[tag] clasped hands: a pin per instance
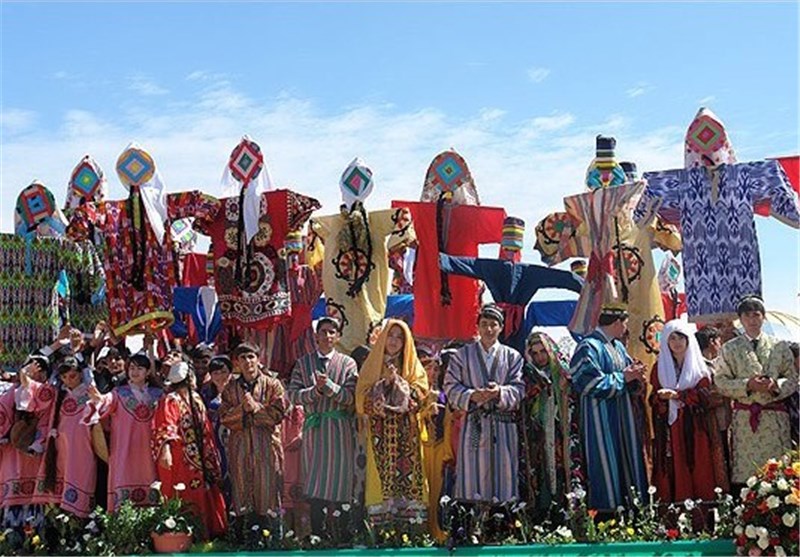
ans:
(486, 394)
(761, 384)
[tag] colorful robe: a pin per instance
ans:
(255, 438)
(252, 286)
(610, 435)
(437, 452)
(487, 461)
(295, 338)
(76, 469)
(29, 303)
(133, 310)
(329, 434)
(760, 428)
(18, 469)
(715, 211)
(464, 228)
(195, 461)
(131, 469)
(512, 285)
(359, 312)
(199, 303)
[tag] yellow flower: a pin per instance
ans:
(265, 533)
(794, 497)
(517, 523)
(36, 540)
(630, 531)
(405, 538)
(602, 526)
(796, 468)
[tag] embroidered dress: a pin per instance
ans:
(76, 469)
(251, 284)
(610, 435)
(512, 285)
(29, 302)
(464, 228)
(255, 452)
(715, 211)
(760, 428)
(395, 482)
(140, 270)
(487, 461)
(329, 434)
(131, 469)
(358, 302)
(195, 461)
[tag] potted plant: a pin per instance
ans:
(173, 523)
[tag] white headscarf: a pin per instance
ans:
(694, 366)
(135, 167)
(254, 180)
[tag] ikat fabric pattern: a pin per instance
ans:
(715, 211)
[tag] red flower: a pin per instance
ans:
(763, 507)
(775, 541)
(672, 533)
(776, 520)
(741, 540)
(748, 513)
(788, 471)
(750, 496)
(794, 534)
(772, 466)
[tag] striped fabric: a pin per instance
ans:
(328, 448)
(488, 473)
(613, 453)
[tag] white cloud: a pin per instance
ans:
(705, 101)
(639, 89)
(552, 123)
(16, 120)
(144, 85)
(537, 75)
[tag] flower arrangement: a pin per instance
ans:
(767, 518)
(173, 515)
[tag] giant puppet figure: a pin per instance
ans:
(712, 199)
(448, 220)
(512, 283)
(598, 225)
(37, 267)
(139, 259)
(247, 235)
(355, 270)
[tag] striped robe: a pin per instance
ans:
(329, 447)
(488, 450)
(612, 447)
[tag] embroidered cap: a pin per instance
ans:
(493, 311)
(614, 310)
(356, 182)
(751, 302)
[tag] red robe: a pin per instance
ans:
(469, 226)
(687, 456)
(172, 423)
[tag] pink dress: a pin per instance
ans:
(76, 470)
(292, 437)
(131, 469)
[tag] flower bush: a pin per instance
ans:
(767, 518)
(173, 515)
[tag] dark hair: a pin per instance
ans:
(141, 360)
(41, 361)
(705, 335)
(491, 311)
(219, 362)
(750, 303)
(67, 364)
(244, 348)
(51, 451)
(359, 354)
(795, 349)
(607, 319)
(331, 321)
(201, 351)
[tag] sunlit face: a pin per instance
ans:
(116, 365)
(619, 328)
(220, 377)
(714, 346)
(327, 336)
(201, 365)
(752, 321)
(71, 378)
(489, 330)
(137, 374)
(247, 364)
(539, 355)
(678, 344)
(431, 369)
(395, 340)
(37, 373)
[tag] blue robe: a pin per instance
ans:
(612, 448)
(187, 300)
(511, 283)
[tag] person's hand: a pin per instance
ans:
(94, 394)
(320, 380)
(759, 384)
(75, 340)
(165, 458)
(634, 372)
(250, 404)
(667, 394)
(148, 341)
(493, 391)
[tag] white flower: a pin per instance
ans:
(762, 532)
(337, 513)
(738, 530)
(170, 523)
(651, 490)
(87, 537)
(289, 534)
(255, 528)
(180, 486)
(789, 519)
(750, 531)
(314, 540)
(773, 502)
(751, 481)
(62, 541)
(564, 532)
(63, 518)
(763, 542)
(324, 510)
(91, 525)
(718, 490)
(779, 551)
(271, 513)
(521, 505)
(744, 492)
(765, 488)
(156, 485)
(345, 507)
(444, 500)
(689, 504)
(782, 484)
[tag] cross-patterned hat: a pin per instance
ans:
(707, 142)
(449, 173)
(356, 183)
(36, 212)
(87, 184)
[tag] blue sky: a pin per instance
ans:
(520, 90)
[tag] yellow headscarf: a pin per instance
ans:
(371, 372)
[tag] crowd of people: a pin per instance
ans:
(383, 435)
